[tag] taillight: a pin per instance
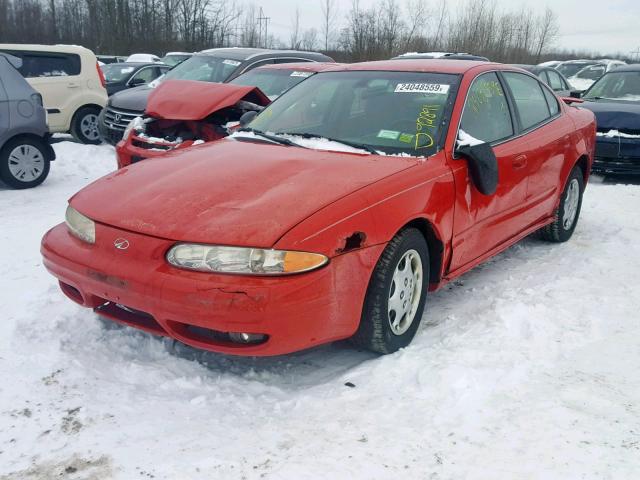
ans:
(100, 74)
(37, 98)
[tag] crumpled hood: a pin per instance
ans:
(615, 115)
(193, 100)
(131, 99)
(230, 192)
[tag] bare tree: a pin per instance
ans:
(309, 39)
(329, 14)
(548, 31)
(295, 39)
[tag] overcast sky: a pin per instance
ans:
(605, 26)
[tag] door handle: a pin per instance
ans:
(72, 85)
(520, 162)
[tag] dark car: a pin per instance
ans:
(551, 77)
(25, 151)
(216, 65)
(120, 76)
(440, 55)
(108, 59)
(615, 100)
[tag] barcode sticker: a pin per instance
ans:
(440, 88)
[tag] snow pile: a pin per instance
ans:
(616, 133)
(525, 368)
(466, 140)
(580, 84)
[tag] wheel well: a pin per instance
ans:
(436, 247)
(88, 105)
(48, 151)
(583, 163)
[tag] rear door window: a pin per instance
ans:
(486, 113)
(529, 98)
(48, 64)
(555, 82)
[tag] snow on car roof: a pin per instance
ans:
(303, 66)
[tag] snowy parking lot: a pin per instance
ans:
(525, 368)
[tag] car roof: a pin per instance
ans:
(45, 48)
(634, 67)
(135, 64)
(237, 53)
(302, 66)
(424, 65)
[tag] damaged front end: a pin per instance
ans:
(183, 113)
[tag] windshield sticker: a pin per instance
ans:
(390, 134)
(406, 138)
(301, 74)
(439, 88)
(126, 70)
(235, 63)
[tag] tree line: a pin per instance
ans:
(385, 29)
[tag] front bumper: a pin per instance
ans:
(134, 149)
(617, 155)
(137, 287)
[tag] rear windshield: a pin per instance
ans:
(205, 68)
(570, 69)
(391, 112)
(273, 83)
(117, 72)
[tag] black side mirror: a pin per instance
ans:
(575, 94)
(134, 82)
(247, 117)
(483, 166)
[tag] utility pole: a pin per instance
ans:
(636, 53)
(261, 18)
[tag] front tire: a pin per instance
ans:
(23, 163)
(396, 295)
(568, 211)
(84, 126)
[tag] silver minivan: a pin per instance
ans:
(25, 151)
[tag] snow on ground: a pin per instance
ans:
(526, 368)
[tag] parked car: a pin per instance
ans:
(120, 76)
(181, 113)
(109, 59)
(142, 58)
(25, 152)
(585, 77)
(174, 58)
(440, 55)
(71, 84)
(375, 183)
(216, 65)
(615, 100)
(570, 67)
(551, 77)
(550, 63)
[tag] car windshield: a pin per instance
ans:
(205, 68)
(570, 69)
(272, 82)
(616, 86)
(386, 112)
(116, 72)
(173, 60)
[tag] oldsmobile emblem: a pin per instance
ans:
(121, 243)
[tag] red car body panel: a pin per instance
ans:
(194, 100)
(345, 206)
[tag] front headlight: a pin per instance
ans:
(80, 226)
(248, 261)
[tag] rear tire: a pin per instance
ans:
(24, 163)
(396, 295)
(84, 126)
(568, 211)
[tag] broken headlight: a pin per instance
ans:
(248, 261)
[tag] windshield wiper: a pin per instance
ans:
(273, 138)
(360, 146)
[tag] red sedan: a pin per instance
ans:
(333, 213)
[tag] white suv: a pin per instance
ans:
(71, 84)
